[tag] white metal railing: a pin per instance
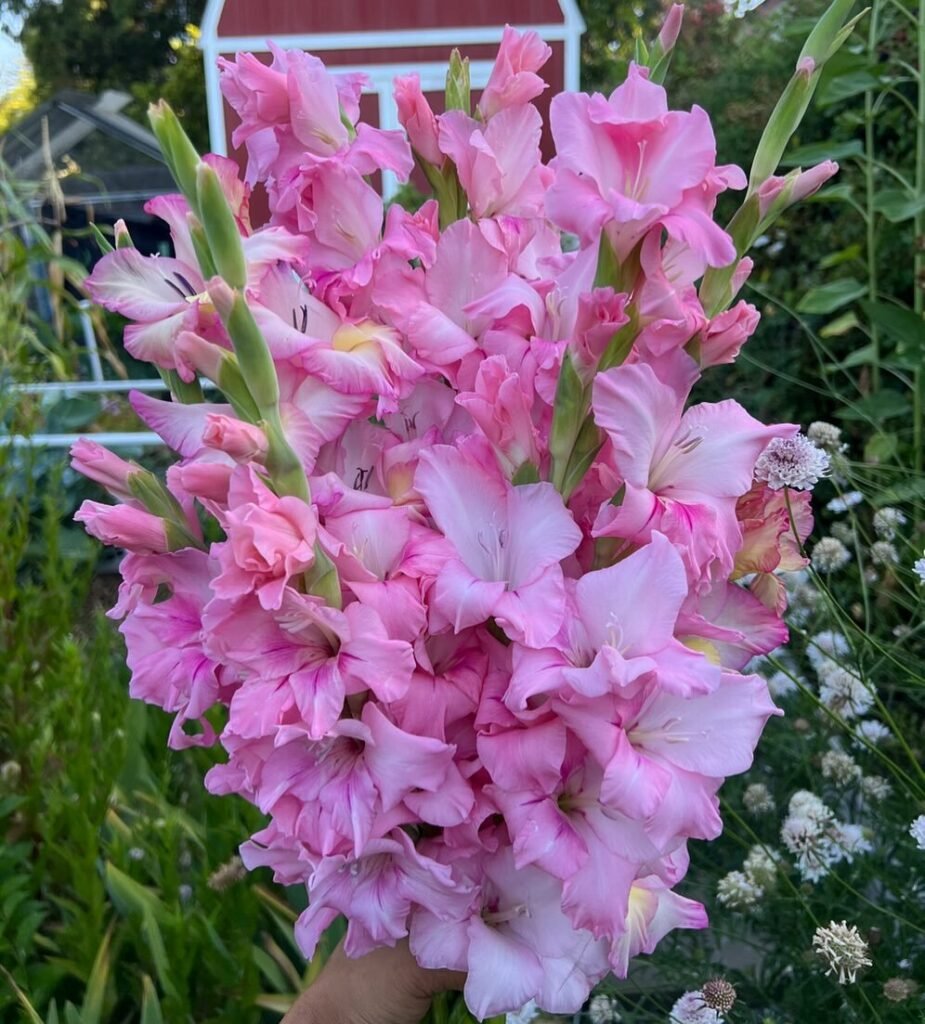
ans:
(96, 385)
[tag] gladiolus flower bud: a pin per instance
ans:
(249, 344)
(458, 92)
(179, 152)
(417, 118)
(220, 227)
(206, 480)
(122, 526)
(777, 193)
(242, 441)
(121, 235)
(671, 28)
(97, 463)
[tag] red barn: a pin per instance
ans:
(384, 38)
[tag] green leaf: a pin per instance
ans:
(840, 325)
(881, 405)
(908, 490)
(150, 1005)
(864, 356)
(816, 152)
(131, 897)
(91, 1011)
(898, 205)
(843, 87)
(905, 326)
(835, 259)
(72, 414)
(881, 448)
(829, 297)
(834, 193)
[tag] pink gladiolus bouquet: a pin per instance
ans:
(472, 581)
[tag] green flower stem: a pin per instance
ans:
(869, 194)
(918, 231)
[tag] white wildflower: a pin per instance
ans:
(850, 840)
(840, 767)
(843, 950)
(826, 436)
(737, 891)
(136, 853)
(826, 648)
(842, 502)
(875, 787)
(757, 799)
(901, 631)
(530, 1012)
(917, 831)
(791, 462)
(873, 731)
(845, 693)
(780, 685)
(918, 567)
(10, 772)
(602, 1010)
(185, 892)
(845, 532)
(829, 555)
(882, 552)
(760, 866)
(806, 804)
(692, 1009)
(887, 521)
(803, 597)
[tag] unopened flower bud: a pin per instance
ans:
(221, 228)
(242, 441)
(104, 467)
(179, 153)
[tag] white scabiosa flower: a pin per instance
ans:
(887, 521)
(842, 502)
(760, 866)
(780, 685)
(845, 693)
(601, 1010)
(528, 1013)
(737, 891)
(829, 555)
(873, 731)
(826, 436)
(842, 949)
(692, 1008)
(791, 462)
(875, 787)
(826, 648)
(918, 567)
(917, 831)
(757, 799)
(882, 552)
(840, 767)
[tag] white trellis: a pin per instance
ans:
(96, 385)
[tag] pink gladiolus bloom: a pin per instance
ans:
(500, 405)
(417, 118)
(613, 640)
(629, 163)
(498, 163)
(518, 946)
(681, 472)
(654, 911)
(163, 640)
(270, 539)
(105, 467)
(123, 526)
(514, 80)
(507, 543)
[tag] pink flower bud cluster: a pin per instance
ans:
(502, 736)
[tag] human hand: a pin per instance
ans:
(386, 986)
